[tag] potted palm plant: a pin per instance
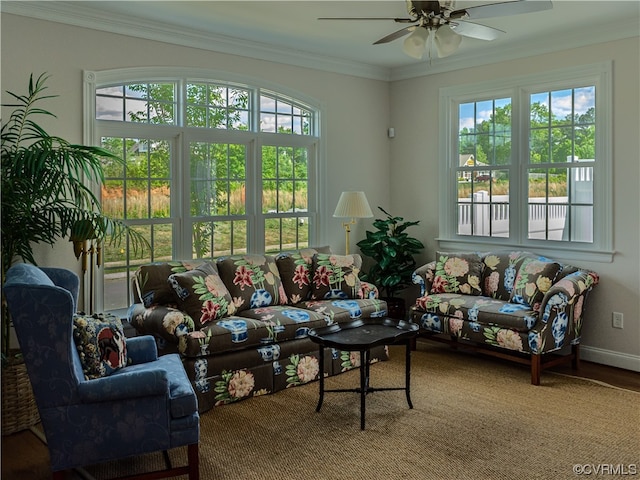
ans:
(46, 196)
(392, 250)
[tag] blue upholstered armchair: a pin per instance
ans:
(145, 405)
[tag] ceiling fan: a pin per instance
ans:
(448, 25)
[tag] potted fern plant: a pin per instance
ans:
(392, 250)
(46, 194)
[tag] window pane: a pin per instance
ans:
(561, 199)
(217, 106)
(286, 234)
(484, 133)
(212, 168)
(283, 115)
(581, 227)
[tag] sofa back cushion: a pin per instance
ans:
(335, 276)
(534, 278)
(202, 294)
(150, 284)
(499, 274)
(252, 280)
(296, 269)
(457, 273)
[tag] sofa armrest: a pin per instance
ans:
(159, 321)
(423, 276)
(368, 290)
(561, 312)
(567, 290)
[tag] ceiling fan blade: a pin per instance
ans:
(397, 20)
(392, 36)
(516, 7)
(475, 30)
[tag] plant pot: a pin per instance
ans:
(19, 409)
(396, 308)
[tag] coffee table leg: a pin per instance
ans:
(321, 377)
(408, 374)
(364, 362)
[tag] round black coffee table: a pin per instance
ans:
(362, 336)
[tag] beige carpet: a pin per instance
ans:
(473, 418)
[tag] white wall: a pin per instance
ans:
(414, 156)
(356, 110)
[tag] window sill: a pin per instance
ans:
(571, 252)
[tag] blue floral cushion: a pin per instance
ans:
(101, 344)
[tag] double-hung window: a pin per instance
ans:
(211, 167)
(526, 162)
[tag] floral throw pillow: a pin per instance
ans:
(335, 276)
(499, 276)
(101, 344)
(533, 280)
(150, 281)
(202, 294)
(252, 280)
(457, 273)
(295, 271)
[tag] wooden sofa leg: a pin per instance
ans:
(194, 462)
(535, 369)
(575, 361)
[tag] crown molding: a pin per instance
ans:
(76, 14)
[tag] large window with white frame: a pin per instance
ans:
(211, 167)
(527, 162)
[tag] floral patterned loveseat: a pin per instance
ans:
(504, 302)
(240, 322)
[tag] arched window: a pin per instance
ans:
(212, 166)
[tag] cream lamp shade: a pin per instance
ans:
(352, 205)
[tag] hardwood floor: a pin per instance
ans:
(25, 457)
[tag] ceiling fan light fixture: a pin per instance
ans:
(447, 41)
(415, 44)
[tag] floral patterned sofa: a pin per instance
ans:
(514, 303)
(240, 322)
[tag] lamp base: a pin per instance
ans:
(347, 230)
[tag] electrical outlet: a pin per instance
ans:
(618, 320)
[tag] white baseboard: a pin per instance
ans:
(611, 358)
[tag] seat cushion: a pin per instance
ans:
(250, 328)
(344, 310)
(475, 309)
